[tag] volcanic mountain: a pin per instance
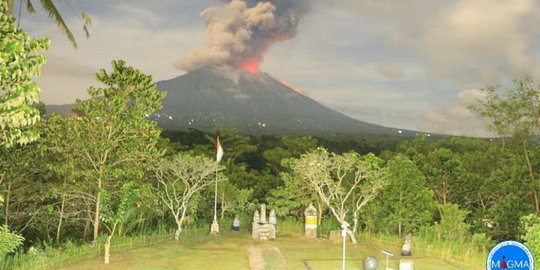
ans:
(254, 103)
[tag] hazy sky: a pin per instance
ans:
(406, 64)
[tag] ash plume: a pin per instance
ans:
(241, 31)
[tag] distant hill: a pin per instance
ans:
(64, 109)
(255, 103)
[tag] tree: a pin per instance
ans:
(292, 147)
(234, 200)
(443, 170)
(452, 226)
(405, 203)
(113, 139)
(515, 113)
(114, 212)
(20, 60)
(344, 183)
(180, 179)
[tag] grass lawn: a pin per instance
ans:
(289, 251)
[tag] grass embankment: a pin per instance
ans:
(46, 256)
(198, 250)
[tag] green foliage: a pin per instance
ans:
(20, 60)
(115, 207)
(452, 226)
(531, 225)
(344, 183)
(405, 203)
(9, 241)
(482, 242)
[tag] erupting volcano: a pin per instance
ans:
(255, 103)
(225, 85)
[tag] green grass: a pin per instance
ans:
(228, 251)
(197, 250)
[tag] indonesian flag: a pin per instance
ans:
(219, 152)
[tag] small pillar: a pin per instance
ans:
(272, 220)
(311, 222)
(255, 225)
(263, 213)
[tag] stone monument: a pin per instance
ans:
(311, 222)
(261, 229)
(255, 225)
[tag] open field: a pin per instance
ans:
(239, 251)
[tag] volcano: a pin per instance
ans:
(255, 103)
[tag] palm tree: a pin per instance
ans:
(54, 14)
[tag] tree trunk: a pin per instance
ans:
(319, 213)
(444, 191)
(59, 227)
(6, 210)
(178, 231)
(107, 255)
(87, 222)
(531, 174)
(352, 235)
(223, 204)
(96, 214)
(355, 222)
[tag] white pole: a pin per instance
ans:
(344, 226)
(215, 198)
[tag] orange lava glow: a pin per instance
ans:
(251, 65)
(294, 88)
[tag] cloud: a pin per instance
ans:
(478, 41)
(455, 118)
(391, 70)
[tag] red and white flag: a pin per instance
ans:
(219, 152)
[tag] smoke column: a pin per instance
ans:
(241, 31)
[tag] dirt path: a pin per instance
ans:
(265, 257)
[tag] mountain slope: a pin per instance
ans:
(254, 103)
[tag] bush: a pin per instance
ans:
(452, 226)
(531, 225)
(9, 242)
(482, 242)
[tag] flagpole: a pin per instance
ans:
(215, 198)
(214, 229)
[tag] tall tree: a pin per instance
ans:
(20, 60)
(113, 139)
(515, 112)
(406, 203)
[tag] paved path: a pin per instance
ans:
(265, 257)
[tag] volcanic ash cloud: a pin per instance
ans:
(240, 32)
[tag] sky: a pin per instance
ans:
(407, 64)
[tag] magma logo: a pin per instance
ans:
(510, 255)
